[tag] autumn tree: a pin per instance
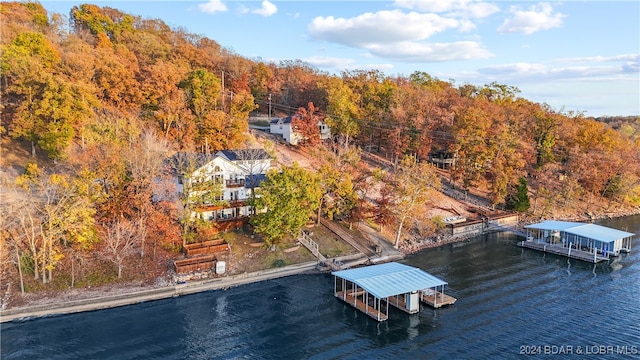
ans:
(339, 195)
(382, 210)
(58, 217)
(342, 111)
(471, 126)
(28, 65)
(415, 184)
(375, 98)
(215, 128)
(544, 135)
(285, 201)
(305, 122)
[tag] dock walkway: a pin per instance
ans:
(437, 299)
(563, 251)
(355, 301)
(344, 235)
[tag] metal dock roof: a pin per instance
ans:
(591, 231)
(389, 279)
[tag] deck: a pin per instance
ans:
(360, 305)
(437, 299)
(563, 251)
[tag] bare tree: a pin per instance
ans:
(120, 238)
(12, 235)
(146, 160)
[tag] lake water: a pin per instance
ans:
(511, 301)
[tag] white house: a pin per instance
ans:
(220, 185)
(284, 127)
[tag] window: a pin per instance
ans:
(218, 178)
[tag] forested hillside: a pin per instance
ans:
(107, 97)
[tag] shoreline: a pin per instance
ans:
(432, 242)
(221, 283)
(160, 293)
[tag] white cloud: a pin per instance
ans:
(434, 52)
(538, 17)
(267, 9)
(341, 64)
(563, 69)
(515, 68)
(399, 36)
(460, 8)
(212, 6)
(623, 57)
(384, 27)
(466, 26)
(381, 67)
(329, 62)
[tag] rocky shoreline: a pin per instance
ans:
(441, 240)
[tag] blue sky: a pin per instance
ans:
(573, 55)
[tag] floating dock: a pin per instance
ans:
(582, 241)
(436, 299)
(371, 289)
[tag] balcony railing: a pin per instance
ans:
(229, 204)
(235, 183)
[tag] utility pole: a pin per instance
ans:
(269, 106)
(222, 90)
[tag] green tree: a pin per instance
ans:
(519, 201)
(285, 201)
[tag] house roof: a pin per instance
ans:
(389, 279)
(591, 231)
(244, 154)
(254, 180)
(284, 120)
(195, 160)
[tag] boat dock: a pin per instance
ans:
(371, 289)
(582, 241)
(563, 251)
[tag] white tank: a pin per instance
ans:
(221, 267)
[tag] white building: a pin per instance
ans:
(284, 127)
(219, 186)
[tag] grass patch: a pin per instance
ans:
(279, 263)
(98, 278)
